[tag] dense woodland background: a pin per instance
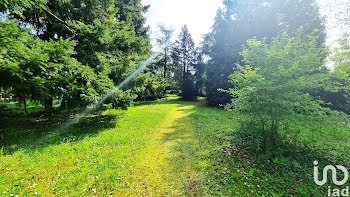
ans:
(77, 51)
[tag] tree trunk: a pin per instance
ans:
(271, 138)
(25, 105)
(48, 104)
(165, 62)
(201, 88)
(184, 75)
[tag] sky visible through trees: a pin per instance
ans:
(199, 16)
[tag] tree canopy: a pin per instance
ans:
(241, 20)
(73, 50)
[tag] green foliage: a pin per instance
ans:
(341, 55)
(13, 109)
(184, 58)
(39, 69)
(339, 100)
(153, 87)
(163, 40)
(341, 59)
(241, 20)
(273, 86)
(77, 51)
(18, 6)
(122, 99)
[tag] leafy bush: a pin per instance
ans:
(40, 70)
(122, 99)
(273, 86)
(153, 88)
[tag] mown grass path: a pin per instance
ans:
(161, 148)
(153, 149)
(164, 168)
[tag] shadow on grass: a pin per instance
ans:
(231, 171)
(31, 132)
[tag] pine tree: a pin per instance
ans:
(184, 56)
(163, 39)
(109, 35)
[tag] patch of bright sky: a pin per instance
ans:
(199, 16)
(331, 10)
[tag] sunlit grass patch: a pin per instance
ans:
(94, 165)
(162, 148)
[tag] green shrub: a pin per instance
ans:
(154, 88)
(273, 84)
(122, 99)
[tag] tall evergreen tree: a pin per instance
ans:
(163, 38)
(241, 20)
(110, 37)
(305, 14)
(184, 57)
(199, 70)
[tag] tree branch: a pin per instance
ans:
(45, 9)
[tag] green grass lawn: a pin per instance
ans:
(162, 148)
